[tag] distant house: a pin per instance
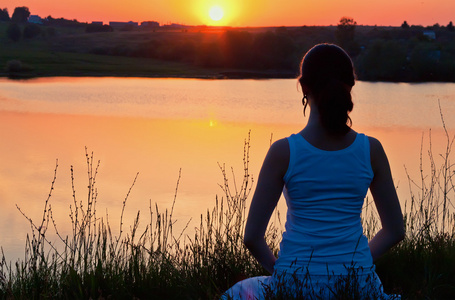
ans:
(123, 24)
(35, 19)
(148, 24)
(97, 23)
(429, 34)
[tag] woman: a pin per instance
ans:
(324, 172)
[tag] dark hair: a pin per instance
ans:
(328, 72)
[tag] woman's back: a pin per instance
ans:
(324, 191)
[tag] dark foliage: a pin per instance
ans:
(13, 32)
(407, 53)
(382, 60)
(235, 46)
(14, 67)
(20, 14)
(379, 53)
(62, 22)
(4, 15)
(273, 51)
(50, 31)
(31, 31)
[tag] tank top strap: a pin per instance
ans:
(292, 150)
(365, 142)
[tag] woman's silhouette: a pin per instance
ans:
(324, 172)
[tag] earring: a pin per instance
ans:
(304, 103)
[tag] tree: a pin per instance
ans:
(345, 31)
(14, 32)
(405, 25)
(20, 14)
(450, 26)
(347, 24)
(4, 15)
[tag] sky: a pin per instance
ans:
(240, 13)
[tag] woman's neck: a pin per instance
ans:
(315, 133)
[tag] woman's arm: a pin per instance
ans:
(387, 204)
(268, 191)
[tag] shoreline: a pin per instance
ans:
(214, 75)
(228, 75)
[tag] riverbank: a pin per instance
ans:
(70, 52)
(30, 64)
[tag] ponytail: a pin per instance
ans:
(334, 104)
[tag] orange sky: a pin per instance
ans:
(247, 12)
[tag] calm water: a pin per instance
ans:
(158, 126)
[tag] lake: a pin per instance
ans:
(159, 126)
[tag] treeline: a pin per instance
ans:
(407, 53)
(411, 54)
(379, 53)
(234, 49)
(19, 26)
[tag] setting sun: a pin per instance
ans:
(216, 13)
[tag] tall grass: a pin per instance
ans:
(157, 263)
(423, 265)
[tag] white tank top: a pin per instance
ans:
(324, 192)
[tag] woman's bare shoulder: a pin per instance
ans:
(280, 149)
(280, 145)
(375, 145)
(278, 156)
(377, 154)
